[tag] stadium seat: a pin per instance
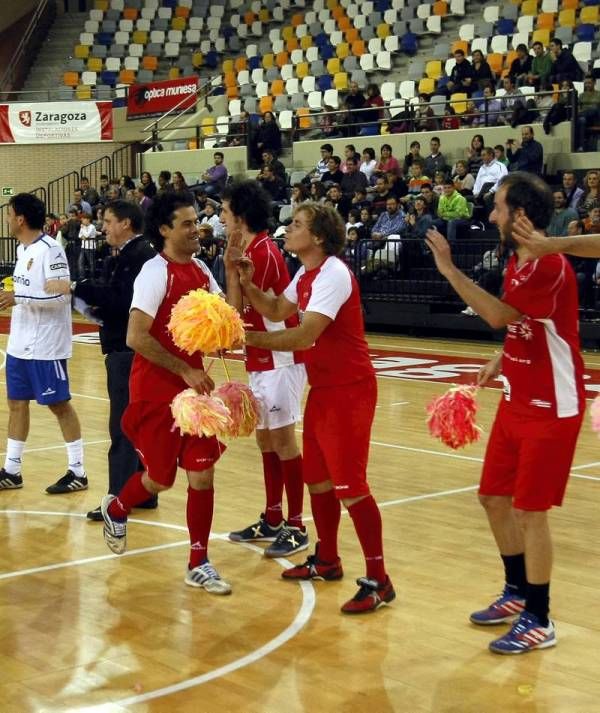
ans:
(545, 21)
(434, 24)
(126, 76)
(340, 81)
(590, 15)
(94, 64)
(433, 69)
(71, 79)
(459, 102)
(426, 85)
(542, 36)
(315, 100)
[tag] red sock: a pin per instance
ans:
(132, 493)
(199, 513)
(294, 489)
(367, 523)
(273, 487)
(326, 511)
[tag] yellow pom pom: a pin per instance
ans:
(200, 415)
(201, 322)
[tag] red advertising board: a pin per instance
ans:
(155, 98)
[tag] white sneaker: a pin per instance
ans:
(207, 577)
(115, 531)
(470, 312)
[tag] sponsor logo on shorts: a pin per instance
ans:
(58, 266)
(203, 460)
(342, 487)
(48, 392)
(274, 409)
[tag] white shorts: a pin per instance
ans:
(279, 393)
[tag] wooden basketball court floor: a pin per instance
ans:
(82, 629)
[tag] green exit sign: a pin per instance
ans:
(8, 191)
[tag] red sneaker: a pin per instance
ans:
(314, 568)
(370, 596)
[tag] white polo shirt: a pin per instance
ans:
(40, 325)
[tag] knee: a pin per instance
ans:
(201, 480)
(18, 407)
(494, 504)
(60, 409)
(530, 519)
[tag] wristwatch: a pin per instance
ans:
(72, 286)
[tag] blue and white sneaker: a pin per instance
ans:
(115, 531)
(289, 541)
(260, 531)
(526, 634)
(507, 607)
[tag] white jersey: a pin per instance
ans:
(40, 326)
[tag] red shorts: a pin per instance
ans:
(337, 431)
(149, 426)
(529, 459)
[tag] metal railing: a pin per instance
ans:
(60, 192)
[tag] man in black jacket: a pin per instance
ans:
(565, 66)
(110, 300)
(528, 156)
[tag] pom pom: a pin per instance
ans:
(200, 415)
(201, 322)
(452, 417)
(595, 413)
(242, 405)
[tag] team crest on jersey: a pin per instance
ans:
(25, 118)
(29, 264)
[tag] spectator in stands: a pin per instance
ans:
(462, 179)
(526, 156)
(380, 195)
(562, 216)
(142, 199)
(130, 196)
(339, 201)
(438, 182)
(391, 222)
(413, 153)
(565, 66)
(90, 195)
(453, 209)
(360, 200)
(500, 154)
(328, 123)
(373, 112)
(349, 152)
(591, 224)
(482, 72)
(237, 132)
(326, 151)
(209, 217)
(299, 195)
(51, 225)
(418, 222)
(79, 204)
(474, 154)
(450, 120)
(215, 178)
(572, 190)
(461, 76)
(354, 101)
(425, 119)
(396, 185)
(430, 197)
(111, 194)
(274, 186)
(387, 162)
(99, 222)
(61, 233)
(541, 66)
(125, 184)
(180, 185)
(560, 110)
(435, 161)
(72, 243)
(520, 67)
(488, 176)
(317, 192)
(148, 184)
(268, 136)
(87, 254)
(367, 220)
(369, 163)
(104, 184)
(590, 198)
(589, 111)
(353, 179)
(353, 220)
(416, 181)
(489, 108)
(268, 159)
(333, 173)
(512, 99)
(164, 182)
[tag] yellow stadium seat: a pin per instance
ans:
(589, 15)
(71, 79)
(433, 69)
(542, 36)
(94, 64)
(179, 23)
(566, 18)
(332, 4)
(268, 61)
(208, 126)
(334, 65)
(427, 85)
(306, 42)
(288, 32)
(303, 116)
(459, 102)
(340, 81)
(302, 70)
(197, 60)
(228, 65)
(101, 5)
(440, 8)
(264, 15)
(383, 30)
(83, 91)
(174, 72)
(139, 37)
(342, 50)
(545, 21)
(82, 51)
(529, 7)
(265, 104)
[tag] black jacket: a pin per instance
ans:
(111, 296)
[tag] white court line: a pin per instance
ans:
(58, 447)
(586, 465)
(400, 403)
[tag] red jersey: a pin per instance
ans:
(158, 287)
(270, 275)
(541, 364)
(340, 355)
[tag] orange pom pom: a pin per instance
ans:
(201, 322)
(200, 415)
(242, 405)
(452, 417)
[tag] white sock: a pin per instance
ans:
(14, 451)
(75, 457)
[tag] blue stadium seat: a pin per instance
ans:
(211, 60)
(324, 82)
(109, 78)
(254, 63)
(326, 52)
(585, 32)
(104, 38)
(505, 27)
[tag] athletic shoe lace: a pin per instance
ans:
(209, 571)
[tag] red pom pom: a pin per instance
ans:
(452, 417)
